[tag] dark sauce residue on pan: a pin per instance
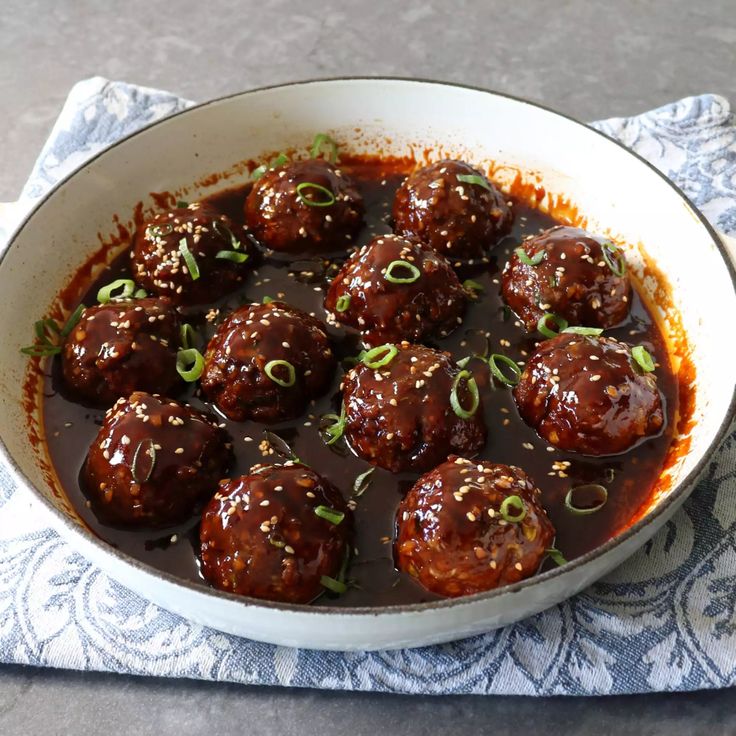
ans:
(630, 477)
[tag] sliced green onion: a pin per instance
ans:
(187, 336)
(73, 320)
(300, 188)
(474, 395)
(588, 331)
(181, 204)
(290, 372)
(361, 483)
(389, 272)
(497, 358)
(189, 259)
(584, 506)
(480, 181)
(320, 140)
(106, 293)
(614, 258)
(274, 163)
(189, 364)
(41, 351)
(140, 294)
(556, 556)
(266, 299)
(147, 449)
(513, 509)
(332, 515)
(336, 428)
(464, 361)
(534, 260)
(159, 231)
(226, 233)
(331, 584)
(280, 446)
(380, 356)
(232, 255)
(561, 323)
(278, 543)
(470, 285)
(342, 303)
(643, 358)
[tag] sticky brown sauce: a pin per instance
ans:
(630, 478)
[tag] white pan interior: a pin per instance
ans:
(617, 193)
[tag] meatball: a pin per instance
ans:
(397, 288)
(459, 218)
(399, 414)
(121, 347)
(573, 274)
(191, 254)
(304, 206)
(266, 362)
(466, 527)
(587, 394)
(275, 533)
(153, 462)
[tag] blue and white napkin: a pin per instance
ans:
(665, 620)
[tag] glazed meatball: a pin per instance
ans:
(397, 288)
(266, 362)
(220, 255)
(121, 347)
(466, 527)
(154, 462)
(304, 206)
(572, 274)
(460, 219)
(274, 533)
(399, 413)
(588, 395)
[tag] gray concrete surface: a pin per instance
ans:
(586, 58)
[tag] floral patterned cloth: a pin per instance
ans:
(664, 620)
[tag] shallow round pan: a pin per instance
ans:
(617, 193)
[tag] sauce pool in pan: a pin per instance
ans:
(488, 326)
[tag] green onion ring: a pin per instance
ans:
(160, 231)
(189, 259)
(320, 140)
(336, 429)
(387, 352)
(388, 273)
(189, 364)
(480, 181)
(181, 204)
(497, 358)
(332, 515)
(226, 234)
(361, 483)
(232, 255)
(474, 395)
(314, 202)
(507, 509)
(187, 336)
(602, 492)
(556, 556)
(140, 294)
(643, 358)
(614, 258)
(534, 260)
(73, 320)
(291, 372)
(587, 331)
(473, 286)
(150, 451)
(105, 294)
(41, 351)
(342, 303)
(561, 323)
(331, 584)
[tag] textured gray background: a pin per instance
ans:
(588, 59)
